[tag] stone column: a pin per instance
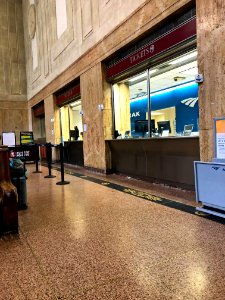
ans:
(211, 63)
(94, 91)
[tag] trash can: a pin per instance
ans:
(21, 186)
(18, 178)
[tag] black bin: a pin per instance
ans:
(21, 186)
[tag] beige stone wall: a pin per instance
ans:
(50, 119)
(13, 117)
(12, 54)
(149, 14)
(211, 63)
(13, 104)
(88, 22)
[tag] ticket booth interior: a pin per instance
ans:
(38, 122)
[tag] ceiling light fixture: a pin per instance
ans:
(183, 58)
(77, 103)
(153, 71)
(143, 75)
(156, 113)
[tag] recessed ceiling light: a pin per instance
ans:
(155, 113)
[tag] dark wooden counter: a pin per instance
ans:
(73, 153)
(168, 160)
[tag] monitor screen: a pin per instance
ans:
(9, 138)
(26, 138)
(141, 126)
(163, 125)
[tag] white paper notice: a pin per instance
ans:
(220, 145)
(8, 138)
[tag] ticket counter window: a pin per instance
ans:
(131, 107)
(174, 97)
(75, 120)
(169, 109)
(71, 121)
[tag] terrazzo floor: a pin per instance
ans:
(89, 241)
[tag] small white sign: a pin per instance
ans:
(85, 127)
(100, 107)
(199, 78)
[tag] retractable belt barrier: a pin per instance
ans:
(37, 158)
(49, 160)
(62, 182)
(49, 147)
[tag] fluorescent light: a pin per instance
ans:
(155, 113)
(138, 77)
(76, 103)
(144, 75)
(183, 58)
(153, 71)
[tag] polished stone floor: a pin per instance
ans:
(86, 240)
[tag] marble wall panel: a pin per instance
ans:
(12, 50)
(13, 104)
(13, 116)
(59, 44)
(92, 96)
(211, 63)
(49, 117)
(86, 13)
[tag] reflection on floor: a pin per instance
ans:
(88, 241)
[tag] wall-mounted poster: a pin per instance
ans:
(26, 138)
(220, 138)
(9, 138)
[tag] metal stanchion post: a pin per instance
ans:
(49, 160)
(37, 158)
(62, 182)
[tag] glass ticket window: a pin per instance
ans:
(169, 107)
(131, 107)
(174, 97)
(71, 121)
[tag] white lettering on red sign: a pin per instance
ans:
(142, 53)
